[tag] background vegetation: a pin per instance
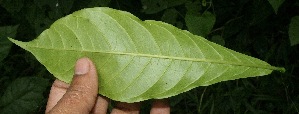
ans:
(265, 29)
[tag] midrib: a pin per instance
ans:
(171, 57)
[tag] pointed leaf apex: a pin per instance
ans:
(19, 43)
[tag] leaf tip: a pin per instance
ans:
(19, 43)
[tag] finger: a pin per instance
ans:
(101, 105)
(126, 108)
(82, 93)
(58, 89)
(160, 106)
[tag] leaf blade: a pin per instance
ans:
(275, 4)
(293, 31)
(5, 44)
(138, 60)
(23, 95)
(200, 24)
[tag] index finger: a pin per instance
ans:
(58, 89)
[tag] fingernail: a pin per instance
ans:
(82, 66)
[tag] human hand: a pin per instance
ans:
(81, 96)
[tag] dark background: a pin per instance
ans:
(259, 28)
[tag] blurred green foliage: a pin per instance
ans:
(265, 29)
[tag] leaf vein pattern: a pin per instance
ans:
(63, 43)
(232, 55)
(249, 60)
(152, 37)
(239, 72)
(166, 69)
(102, 34)
(77, 23)
(242, 72)
(78, 38)
(174, 37)
(105, 38)
(173, 57)
(149, 61)
(47, 33)
(92, 43)
(123, 40)
(138, 59)
(220, 74)
(70, 68)
(107, 61)
(148, 32)
(168, 49)
(51, 46)
(184, 74)
(194, 43)
(121, 27)
(221, 57)
(120, 71)
(195, 81)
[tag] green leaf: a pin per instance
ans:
(37, 19)
(170, 16)
(200, 24)
(275, 4)
(23, 95)
(259, 12)
(294, 31)
(193, 7)
(12, 6)
(5, 44)
(138, 60)
(218, 40)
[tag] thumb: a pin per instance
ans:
(80, 97)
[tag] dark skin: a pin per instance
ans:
(81, 96)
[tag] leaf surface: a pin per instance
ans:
(23, 95)
(200, 24)
(138, 60)
(275, 4)
(5, 44)
(293, 31)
